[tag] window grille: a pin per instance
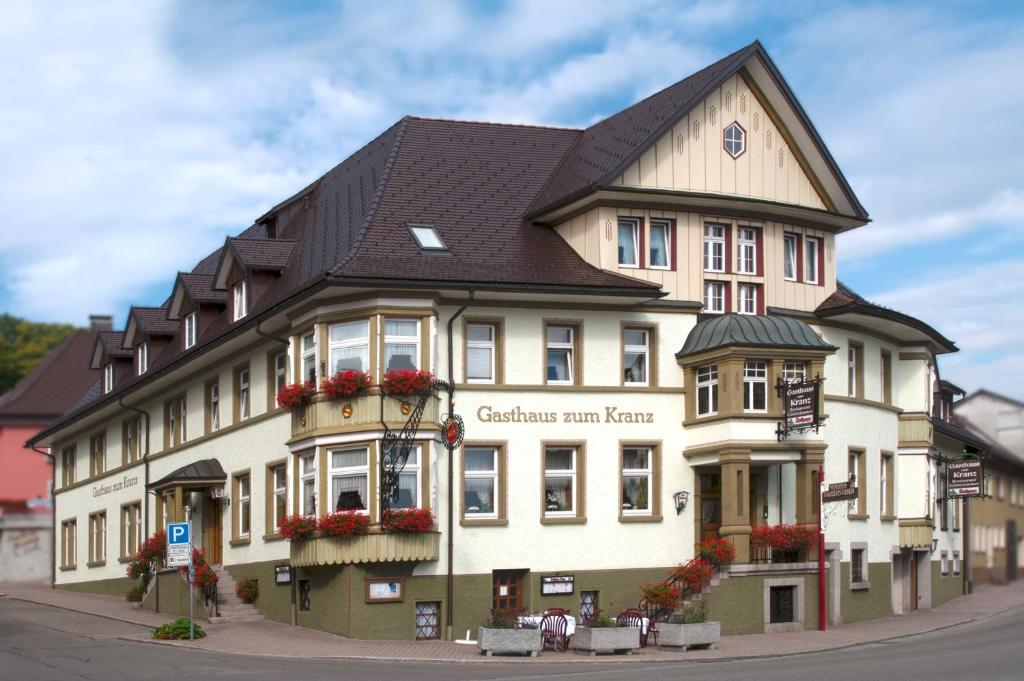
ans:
(782, 601)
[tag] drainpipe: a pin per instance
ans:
(451, 472)
(271, 337)
(53, 511)
(145, 463)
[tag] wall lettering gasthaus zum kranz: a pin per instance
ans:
(610, 414)
(124, 483)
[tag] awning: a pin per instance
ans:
(197, 475)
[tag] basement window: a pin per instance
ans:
(427, 238)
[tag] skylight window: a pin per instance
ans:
(426, 238)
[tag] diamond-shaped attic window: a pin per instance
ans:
(735, 139)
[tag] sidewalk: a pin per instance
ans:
(270, 638)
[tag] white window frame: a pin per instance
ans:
(128, 523)
(108, 377)
(190, 330)
(794, 372)
(883, 486)
(241, 299)
(349, 472)
(634, 225)
(647, 473)
(214, 394)
(309, 355)
(559, 346)
(401, 340)
(488, 345)
(304, 477)
(244, 394)
(492, 474)
(790, 243)
(956, 563)
(410, 467)
(739, 137)
(244, 505)
(644, 350)
(746, 302)
(182, 405)
(143, 358)
(707, 381)
(280, 371)
(666, 227)
(362, 342)
(280, 492)
(755, 373)
(811, 246)
(714, 247)
(746, 252)
(98, 532)
(851, 370)
(944, 563)
(710, 287)
(563, 474)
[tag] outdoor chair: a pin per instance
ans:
(553, 630)
(633, 617)
(556, 611)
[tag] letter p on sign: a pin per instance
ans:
(177, 533)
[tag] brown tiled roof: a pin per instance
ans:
(112, 343)
(200, 288)
(54, 384)
(265, 254)
(153, 321)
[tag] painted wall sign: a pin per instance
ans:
(964, 478)
(124, 483)
(610, 414)
(556, 585)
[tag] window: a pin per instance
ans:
(635, 353)
(98, 538)
(348, 346)
(629, 242)
(277, 377)
(427, 238)
(811, 261)
(747, 299)
(408, 493)
(428, 621)
(482, 485)
(561, 354)
(855, 370)
(401, 344)
(349, 476)
(661, 244)
(131, 529)
(69, 544)
(886, 486)
(735, 140)
(956, 563)
(956, 514)
(793, 372)
(241, 299)
(243, 506)
(307, 484)
(637, 481)
(789, 254)
(97, 454)
(560, 488)
(309, 357)
(108, 377)
(714, 248)
(481, 340)
(944, 563)
(714, 296)
(213, 406)
(858, 575)
(277, 508)
(707, 390)
(588, 605)
(755, 386)
(886, 361)
(746, 262)
(243, 388)
(143, 358)
(68, 456)
(175, 422)
(131, 440)
(190, 330)
(857, 474)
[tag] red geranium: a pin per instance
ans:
(345, 384)
(717, 551)
(344, 524)
(297, 527)
(693, 575)
(783, 538)
(664, 595)
(152, 551)
(296, 395)
(407, 382)
(204, 573)
(407, 520)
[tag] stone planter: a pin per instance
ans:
(606, 639)
(685, 636)
(509, 641)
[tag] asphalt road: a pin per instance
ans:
(40, 643)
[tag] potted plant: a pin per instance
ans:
(718, 551)
(500, 635)
(247, 589)
(297, 527)
(688, 628)
(345, 384)
(603, 634)
(295, 396)
(344, 524)
(407, 520)
(407, 382)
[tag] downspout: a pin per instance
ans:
(145, 463)
(53, 510)
(271, 337)
(451, 472)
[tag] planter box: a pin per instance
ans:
(509, 641)
(610, 639)
(684, 636)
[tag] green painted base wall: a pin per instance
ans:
(870, 603)
(170, 595)
(110, 587)
(946, 588)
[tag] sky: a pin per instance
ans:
(136, 136)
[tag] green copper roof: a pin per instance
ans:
(751, 331)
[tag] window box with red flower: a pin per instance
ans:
(295, 396)
(407, 520)
(297, 527)
(345, 385)
(407, 382)
(344, 524)
(784, 543)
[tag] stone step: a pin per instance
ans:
(226, 619)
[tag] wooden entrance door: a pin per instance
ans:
(710, 505)
(913, 580)
(212, 532)
(508, 590)
(1011, 550)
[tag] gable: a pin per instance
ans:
(692, 156)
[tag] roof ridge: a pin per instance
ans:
(441, 119)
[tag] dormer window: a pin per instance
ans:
(241, 299)
(427, 238)
(190, 330)
(143, 358)
(108, 377)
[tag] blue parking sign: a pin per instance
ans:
(177, 533)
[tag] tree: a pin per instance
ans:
(23, 344)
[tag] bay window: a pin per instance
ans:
(349, 475)
(707, 390)
(793, 372)
(714, 248)
(755, 386)
(307, 484)
(401, 344)
(408, 493)
(348, 346)
(629, 246)
(309, 357)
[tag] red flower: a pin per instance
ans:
(344, 524)
(693, 575)
(664, 595)
(783, 538)
(345, 384)
(296, 395)
(407, 382)
(407, 520)
(717, 551)
(297, 527)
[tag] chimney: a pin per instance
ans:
(101, 322)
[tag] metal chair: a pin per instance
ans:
(556, 611)
(633, 617)
(553, 630)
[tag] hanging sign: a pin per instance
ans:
(964, 478)
(839, 491)
(800, 406)
(452, 431)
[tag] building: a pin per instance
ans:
(997, 518)
(613, 306)
(50, 389)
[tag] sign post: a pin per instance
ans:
(179, 554)
(821, 551)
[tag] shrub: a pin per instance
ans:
(407, 382)
(663, 595)
(407, 520)
(693, 575)
(297, 527)
(717, 551)
(178, 629)
(784, 538)
(247, 589)
(602, 623)
(694, 613)
(345, 384)
(296, 395)
(134, 593)
(344, 524)
(503, 618)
